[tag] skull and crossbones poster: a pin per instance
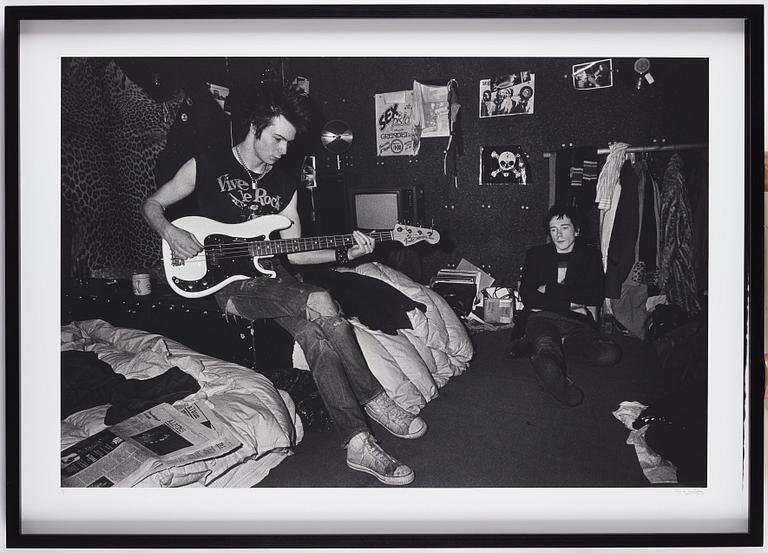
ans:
(503, 165)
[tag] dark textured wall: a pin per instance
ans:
(490, 226)
(493, 226)
(128, 124)
(112, 132)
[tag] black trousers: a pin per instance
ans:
(557, 338)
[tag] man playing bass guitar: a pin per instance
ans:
(238, 184)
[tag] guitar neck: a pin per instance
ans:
(309, 243)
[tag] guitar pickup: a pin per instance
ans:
(177, 261)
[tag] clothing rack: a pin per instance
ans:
(652, 148)
(552, 156)
(656, 148)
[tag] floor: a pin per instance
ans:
(494, 427)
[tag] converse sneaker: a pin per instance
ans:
(365, 455)
(394, 418)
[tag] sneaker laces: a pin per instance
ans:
(373, 449)
(391, 411)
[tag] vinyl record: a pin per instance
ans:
(336, 136)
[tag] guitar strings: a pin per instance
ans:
(293, 242)
(240, 249)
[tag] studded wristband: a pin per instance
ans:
(341, 255)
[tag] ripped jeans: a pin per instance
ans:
(312, 317)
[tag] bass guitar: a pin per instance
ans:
(232, 251)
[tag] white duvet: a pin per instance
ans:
(263, 418)
(414, 364)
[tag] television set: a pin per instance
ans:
(383, 208)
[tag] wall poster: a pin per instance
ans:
(503, 165)
(431, 110)
(507, 94)
(395, 131)
(220, 94)
(593, 75)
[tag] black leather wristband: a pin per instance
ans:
(341, 255)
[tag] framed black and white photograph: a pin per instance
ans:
(253, 308)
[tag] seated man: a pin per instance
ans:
(244, 182)
(561, 287)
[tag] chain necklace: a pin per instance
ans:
(254, 180)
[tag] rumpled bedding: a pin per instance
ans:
(412, 364)
(263, 418)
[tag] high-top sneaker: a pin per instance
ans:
(365, 455)
(394, 418)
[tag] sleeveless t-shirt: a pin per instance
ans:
(225, 193)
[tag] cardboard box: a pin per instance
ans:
(496, 310)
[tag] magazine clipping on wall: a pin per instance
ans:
(431, 110)
(301, 85)
(503, 165)
(220, 94)
(507, 95)
(395, 131)
(593, 75)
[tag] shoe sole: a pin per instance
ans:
(413, 436)
(390, 480)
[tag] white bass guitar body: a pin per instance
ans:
(232, 251)
(227, 255)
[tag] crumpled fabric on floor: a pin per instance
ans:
(656, 469)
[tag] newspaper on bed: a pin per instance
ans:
(156, 439)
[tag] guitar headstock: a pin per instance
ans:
(408, 235)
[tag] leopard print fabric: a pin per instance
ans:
(112, 134)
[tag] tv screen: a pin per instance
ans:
(376, 210)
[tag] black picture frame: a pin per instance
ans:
(752, 17)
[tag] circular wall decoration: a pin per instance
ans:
(336, 136)
(642, 65)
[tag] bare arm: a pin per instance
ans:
(364, 244)
(182, 243)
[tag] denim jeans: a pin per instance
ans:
(556, 338)
(333, 354)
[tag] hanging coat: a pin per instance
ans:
(677, 278)
(622, 249)
(608, 193)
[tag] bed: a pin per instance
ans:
(413, 364)
(250, 410)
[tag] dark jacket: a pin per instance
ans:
(584, 281)
(378, 305)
